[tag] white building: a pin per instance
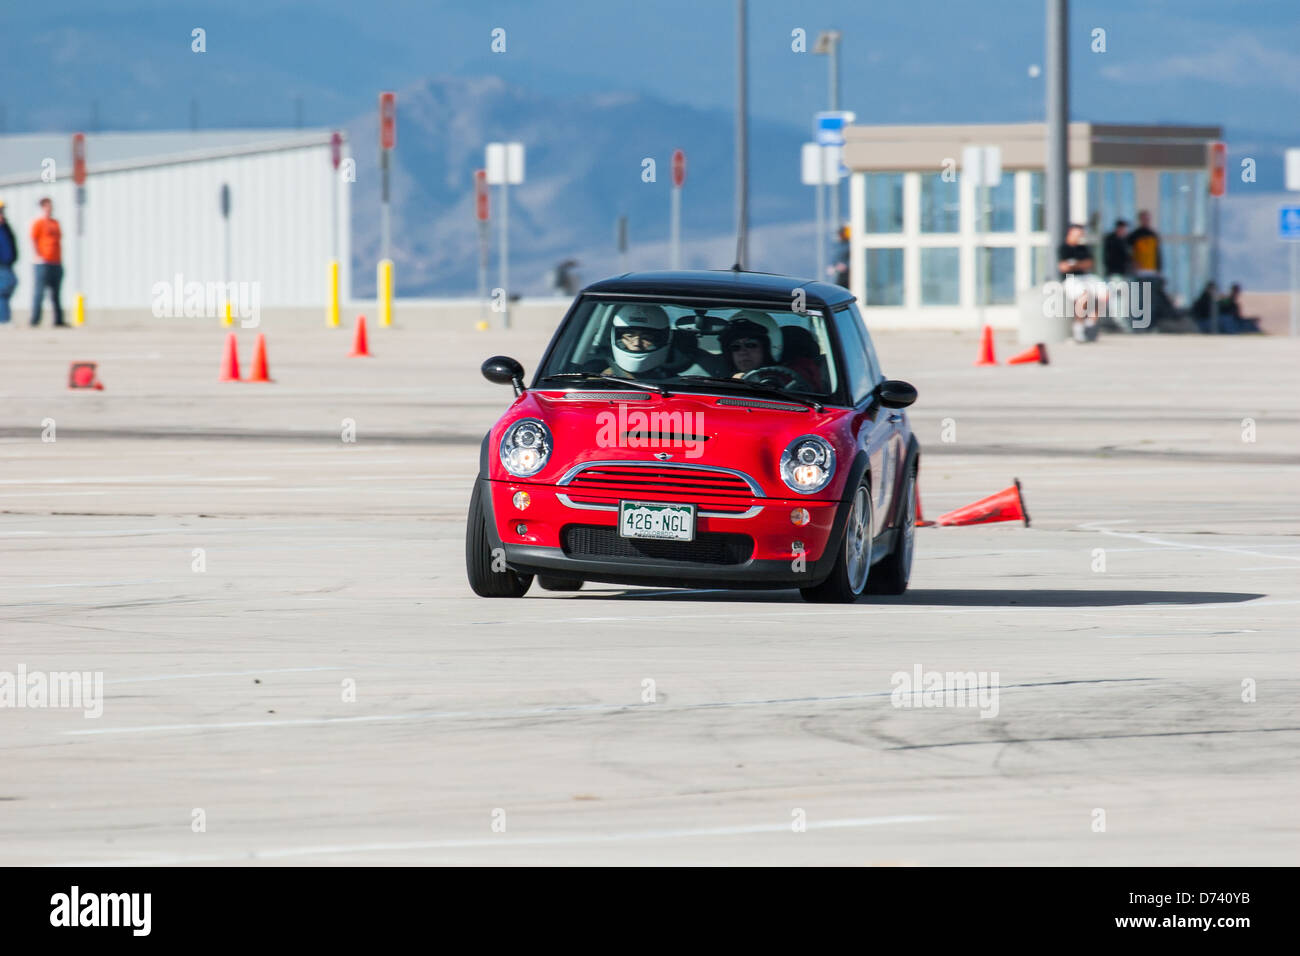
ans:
(152, 212)
(920, 257)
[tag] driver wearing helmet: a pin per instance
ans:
(641, 340)
(753, 344)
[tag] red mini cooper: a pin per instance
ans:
(699, 430)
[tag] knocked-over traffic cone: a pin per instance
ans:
(920, 519)
(986, 348)
(259, 372)
(82, 375)
(230, 361)
(1006, 505)
(359, 345)
(1037, 353)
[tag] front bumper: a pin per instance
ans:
(540, 539)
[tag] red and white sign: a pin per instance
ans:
(387, 120)
(481, 195)
(679, 168)
(336, 148)
(1218, 169)
(79, 158)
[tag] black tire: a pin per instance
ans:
(891, 574)
(548, 583)
(478, 557)
(848, 578)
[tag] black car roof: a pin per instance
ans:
(722, 283)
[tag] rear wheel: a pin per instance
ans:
(891, 575)
(488, 574)
(548, 583)
(848, 578)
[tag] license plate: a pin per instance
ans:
(647, 519)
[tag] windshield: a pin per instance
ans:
(670, 344)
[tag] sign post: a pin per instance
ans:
(982, 165)
(336, 157)
(387, 141)
(505, 168)
(227, 319)
(1218, 185)
(679, 177)
(79, 177)
(620, 239)
(828, 130)
(481, 211)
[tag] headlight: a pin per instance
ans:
(808, 464)
(525, 447)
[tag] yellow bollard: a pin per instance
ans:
(227, 319)
(79, 311)
(332, 319)
(386, 292)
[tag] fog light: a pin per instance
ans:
(521, 500)
(800, 516)
(521, 528)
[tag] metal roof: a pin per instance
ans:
(720, 284)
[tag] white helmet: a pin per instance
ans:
(652, 322)
(775, 340)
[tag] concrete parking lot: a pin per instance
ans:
(292, 657)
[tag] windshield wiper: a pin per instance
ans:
(755, 387)
(592, 377)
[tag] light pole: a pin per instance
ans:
(742, 139)
(1056, 191)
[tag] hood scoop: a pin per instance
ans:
(760, 403)
(626, 396)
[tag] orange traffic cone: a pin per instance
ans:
(82, 375)
(259, 372)
(230, 361)
(1037, 353)
(920, 519)
(1006, 505)
(359, 347)
(986, 348)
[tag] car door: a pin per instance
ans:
(871, 429)
(894, 418)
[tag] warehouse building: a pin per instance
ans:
(922, 257)
(153, 214)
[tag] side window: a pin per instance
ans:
(873, 363)
(857, 372)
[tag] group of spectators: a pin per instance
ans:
(47, 245)
(1136, 255)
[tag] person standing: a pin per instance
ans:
(839, 269)
(8, 256)
(47, 238)
(1144, 246)
(1115, 252)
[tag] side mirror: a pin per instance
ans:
(895, 394)
(503, 370)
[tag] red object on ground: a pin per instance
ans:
(986, 348)
(360, 348)
(920, 519)
(230, 361)
(259, 371)
(1037, 353)
(1006, 505)
(82, 375)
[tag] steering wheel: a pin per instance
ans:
(778, 376)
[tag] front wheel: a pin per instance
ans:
(488, 574)
(848, 578)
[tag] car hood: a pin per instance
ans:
(736, 431)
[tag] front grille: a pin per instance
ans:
(709, 547)
(651, 480)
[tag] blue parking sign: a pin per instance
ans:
(1288, 222)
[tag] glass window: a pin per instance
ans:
(940, 276)
(1200, 202)
(1111, 196)
(1037, 212)
(884, 277)
(873, 363)
(999, 213)
(884, 202)
(995, 275)
(857, 372)
(1041, 265)
(940, 204)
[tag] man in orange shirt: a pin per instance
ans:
(48, 238)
